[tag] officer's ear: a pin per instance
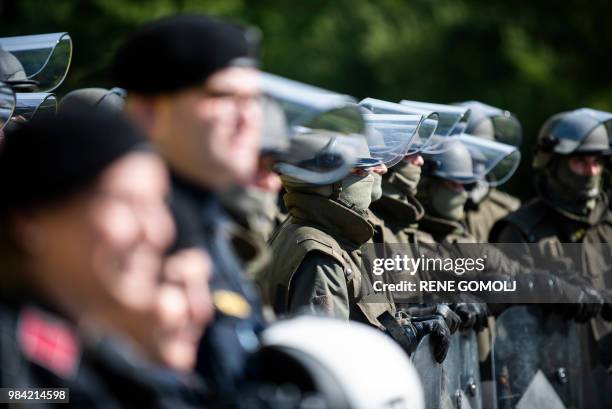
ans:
(28, 233)
(144, 111)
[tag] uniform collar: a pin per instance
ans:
(598, 214)
(331, 215)
(441, 228)
(406, 209)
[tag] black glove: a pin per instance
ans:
(473, 315)
(436, 328)
(606, 310)
(584, 302)
(443, 310)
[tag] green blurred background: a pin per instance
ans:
(534, 58)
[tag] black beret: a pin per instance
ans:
(180, 51)
(49, 158)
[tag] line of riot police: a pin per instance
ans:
(149, 262)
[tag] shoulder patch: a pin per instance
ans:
(231, 303)
(49, 342)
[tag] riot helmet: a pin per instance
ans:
(327, 352)
(313, 107)
(390, 137)
(13, 74)
(113, 99)
(427, 124)
(45, 59)
(326, 131)
(7, 104)
(566, 133)
(452, 120)
(463, 160)
(493, 123)
(452, 162)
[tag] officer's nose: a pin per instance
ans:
(415, 160)
(593, 166)
(380, 169)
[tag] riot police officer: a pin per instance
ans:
(318, 264)
(486, 204)
(569, 222)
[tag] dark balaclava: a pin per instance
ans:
(568, 190)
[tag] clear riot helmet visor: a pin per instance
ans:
(7, 104)
(602, 117)
(391, 136)
(35, 104)
(492, 161)
(275, 131)
(45, 57)
(319, 156)
(452, 119)
(312, 107)
(506, 127)
(427, 125)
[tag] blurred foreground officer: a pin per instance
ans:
(192, 87)
(254, 207)
(84, 227)
(485, 204)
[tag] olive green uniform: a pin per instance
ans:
(317, 262)
(541, 222)
(481, 217)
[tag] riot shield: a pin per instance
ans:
(431, 374)
(465, 378)
(536, 360)
(454, 384)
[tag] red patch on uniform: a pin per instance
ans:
(48, 342)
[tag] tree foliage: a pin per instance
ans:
(534, 58)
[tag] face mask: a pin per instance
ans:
(407, 177)
(356, 191)
(446, 202)
(376, 187)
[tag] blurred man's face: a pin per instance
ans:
(99, 252)
(211, 133)
(586, 165)
(183, 309)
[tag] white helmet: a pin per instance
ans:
(362, 367)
